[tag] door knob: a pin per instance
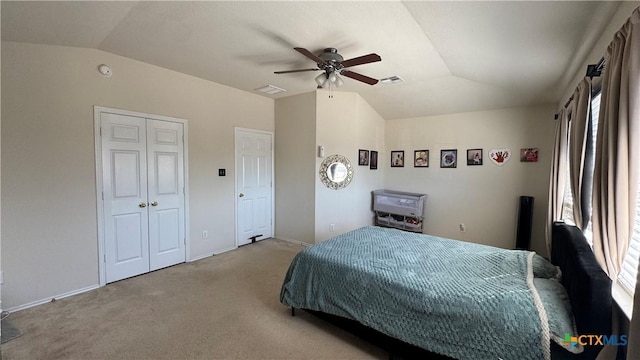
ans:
(241, 195)
(154, 203)
(142, 204)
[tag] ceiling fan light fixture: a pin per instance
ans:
(331, 64)
(321, 79)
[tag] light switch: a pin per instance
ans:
(222, 172)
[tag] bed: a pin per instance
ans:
(457, 299)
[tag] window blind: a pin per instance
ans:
(595, 113)
(567, 197)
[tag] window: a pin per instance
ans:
(595, 113)
(624, 287)
(567, 204)
(567, 200)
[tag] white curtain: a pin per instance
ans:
(617, 162)
(580, 111)
(633, 351)
(558, 174)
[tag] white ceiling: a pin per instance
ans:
(453, 56)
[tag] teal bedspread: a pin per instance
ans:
(463, 300)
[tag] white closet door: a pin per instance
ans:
(143, 192)
(124, 163)
(166, 193)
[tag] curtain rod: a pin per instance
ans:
(593, 70)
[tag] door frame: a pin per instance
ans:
(235, 181)
(97, 110)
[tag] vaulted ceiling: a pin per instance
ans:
(453, 56)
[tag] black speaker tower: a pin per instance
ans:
(525, 223)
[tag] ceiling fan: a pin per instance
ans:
(332, 64)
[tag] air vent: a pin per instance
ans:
(270, 89)
(391, 80)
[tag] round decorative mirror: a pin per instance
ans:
(336, 172)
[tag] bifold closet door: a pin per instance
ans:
(143, 192)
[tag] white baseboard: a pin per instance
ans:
(200, 257)
(57, 297)
(224, 250)
(297, 242)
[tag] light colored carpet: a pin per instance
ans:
(9, 332)
(223, 307)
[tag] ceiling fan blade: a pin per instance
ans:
(293, 71)
(365, 59)
(359, 77)
(309, 54)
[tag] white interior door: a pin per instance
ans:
(124, 180)
(143, 192)
(166, 193)
(254, 167)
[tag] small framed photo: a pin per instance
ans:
(421, 158)
(397, 158)
(529, 155)
(449, 158)
(363, 157)
(373, 163)
(474, 157)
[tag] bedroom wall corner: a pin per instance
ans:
(345, 124)
(295, 153)
(483, 198)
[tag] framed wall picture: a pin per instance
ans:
(449, 158)
(397, 158)
(363, 157)
(529, 155)
(421, 158)
(373, 163)
(474, 156)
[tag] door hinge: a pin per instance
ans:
(103, 195)
(184, 241)
(104, 258)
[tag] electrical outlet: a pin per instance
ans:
(462, 228)
(205, 234)
(332, 227)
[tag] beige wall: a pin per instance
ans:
(346, 123)
(295, 152)
(49, 204)
(484, 198)
(0, 176)
(305, 207)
